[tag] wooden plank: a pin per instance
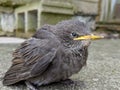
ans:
(111, 27)
(86, 7)
(92, 1)
(15, 2)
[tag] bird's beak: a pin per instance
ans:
(89, 37)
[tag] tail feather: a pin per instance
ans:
(7, 82)
(15, 75)
(11, 76)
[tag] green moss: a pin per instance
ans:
(31, 30)
(7, 3)
(51, 18)
(21, 33)
(20, 30)
(57, 4)
(24, 35)
(0, 30)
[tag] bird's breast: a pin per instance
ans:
(73, 62)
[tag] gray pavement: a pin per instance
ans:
(7, 40)
(101, 73)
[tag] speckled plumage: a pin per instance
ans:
(51, 55)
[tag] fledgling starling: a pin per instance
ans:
(54, 53)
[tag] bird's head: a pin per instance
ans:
(73, 33)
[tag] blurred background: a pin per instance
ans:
(22, 18)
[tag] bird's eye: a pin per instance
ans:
(74, 34)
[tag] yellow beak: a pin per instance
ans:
(86, 37)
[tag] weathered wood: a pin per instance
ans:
(109, 26)
(86, 7)
(15, 2)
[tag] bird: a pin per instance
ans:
(52, 54)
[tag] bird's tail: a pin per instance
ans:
(11, 76)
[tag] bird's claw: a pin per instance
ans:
(30, 86)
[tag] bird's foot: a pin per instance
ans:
(30, 86)
(67, 82)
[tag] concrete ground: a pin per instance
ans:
(101, 73)
(7, 40)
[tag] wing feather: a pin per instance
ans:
(30, 55)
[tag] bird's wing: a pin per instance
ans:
(43, 63)
(30, 59)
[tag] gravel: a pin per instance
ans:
(101, 73)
